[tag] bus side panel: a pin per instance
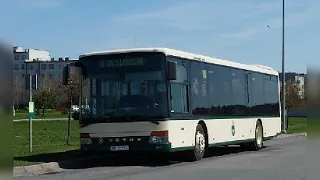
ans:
(221, 130)
(271, 126)
(182, 133)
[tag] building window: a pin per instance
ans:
(51, 66)
(16, 67)
(51, 76)
(24, 57)
(16, 57)
(22, 66)
(43, 66)
(30, 67)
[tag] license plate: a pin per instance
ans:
(119, 148)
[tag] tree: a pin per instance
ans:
(18, 89)
(72, 90)
(293, 99)
(71, 93)
(46, 96)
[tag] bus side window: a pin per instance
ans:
(179, 88)
(179, 100)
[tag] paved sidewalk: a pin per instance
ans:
(48, 119)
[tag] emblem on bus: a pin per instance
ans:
(100, 140)
(233, 129)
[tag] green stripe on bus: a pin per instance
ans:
(231, 142)
(223, 143)
(187, 148)
(220, 117)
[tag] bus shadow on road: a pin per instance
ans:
(76, 160)
(228, 150)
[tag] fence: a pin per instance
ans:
(299, 112)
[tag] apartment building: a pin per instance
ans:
(297, 78)
(34, 61)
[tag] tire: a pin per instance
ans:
(200, 144)
(258, 141)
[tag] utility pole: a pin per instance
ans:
(69, 117)
(30, 111)
(283, 119)
(29, 85)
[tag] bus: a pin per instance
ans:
(161, 100)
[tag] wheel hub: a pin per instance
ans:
(259, 135)
(200, 142)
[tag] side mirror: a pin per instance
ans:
(84, 71)
(83, 68)
(65, 75)
(172, 70)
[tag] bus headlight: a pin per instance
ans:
(85, 141)
(159, 137)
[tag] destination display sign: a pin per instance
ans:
(121, 62)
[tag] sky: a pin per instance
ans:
(244, 31)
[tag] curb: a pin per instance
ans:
(52, 167)
(38, 169)
(291, 135)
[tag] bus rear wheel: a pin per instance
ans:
(257, 144)
(200, 144)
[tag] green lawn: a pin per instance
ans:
(49, 138)
(297, 125)
(48, 114)
(313, 127)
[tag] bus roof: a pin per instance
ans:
(191, 56)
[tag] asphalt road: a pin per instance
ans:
(281, 159)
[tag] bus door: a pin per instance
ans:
(250, 99)
(249, 90)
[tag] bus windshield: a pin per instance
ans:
(126, 87)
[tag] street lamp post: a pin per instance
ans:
(283, 76)
(69, 116)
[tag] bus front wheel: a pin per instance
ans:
(200, 144)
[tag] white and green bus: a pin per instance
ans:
(164, 100)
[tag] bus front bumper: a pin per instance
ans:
(137, 144)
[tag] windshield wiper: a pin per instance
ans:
(148, 118)
(153, 119)
(154, 122)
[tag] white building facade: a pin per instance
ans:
(298, 79)
(34, 61)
